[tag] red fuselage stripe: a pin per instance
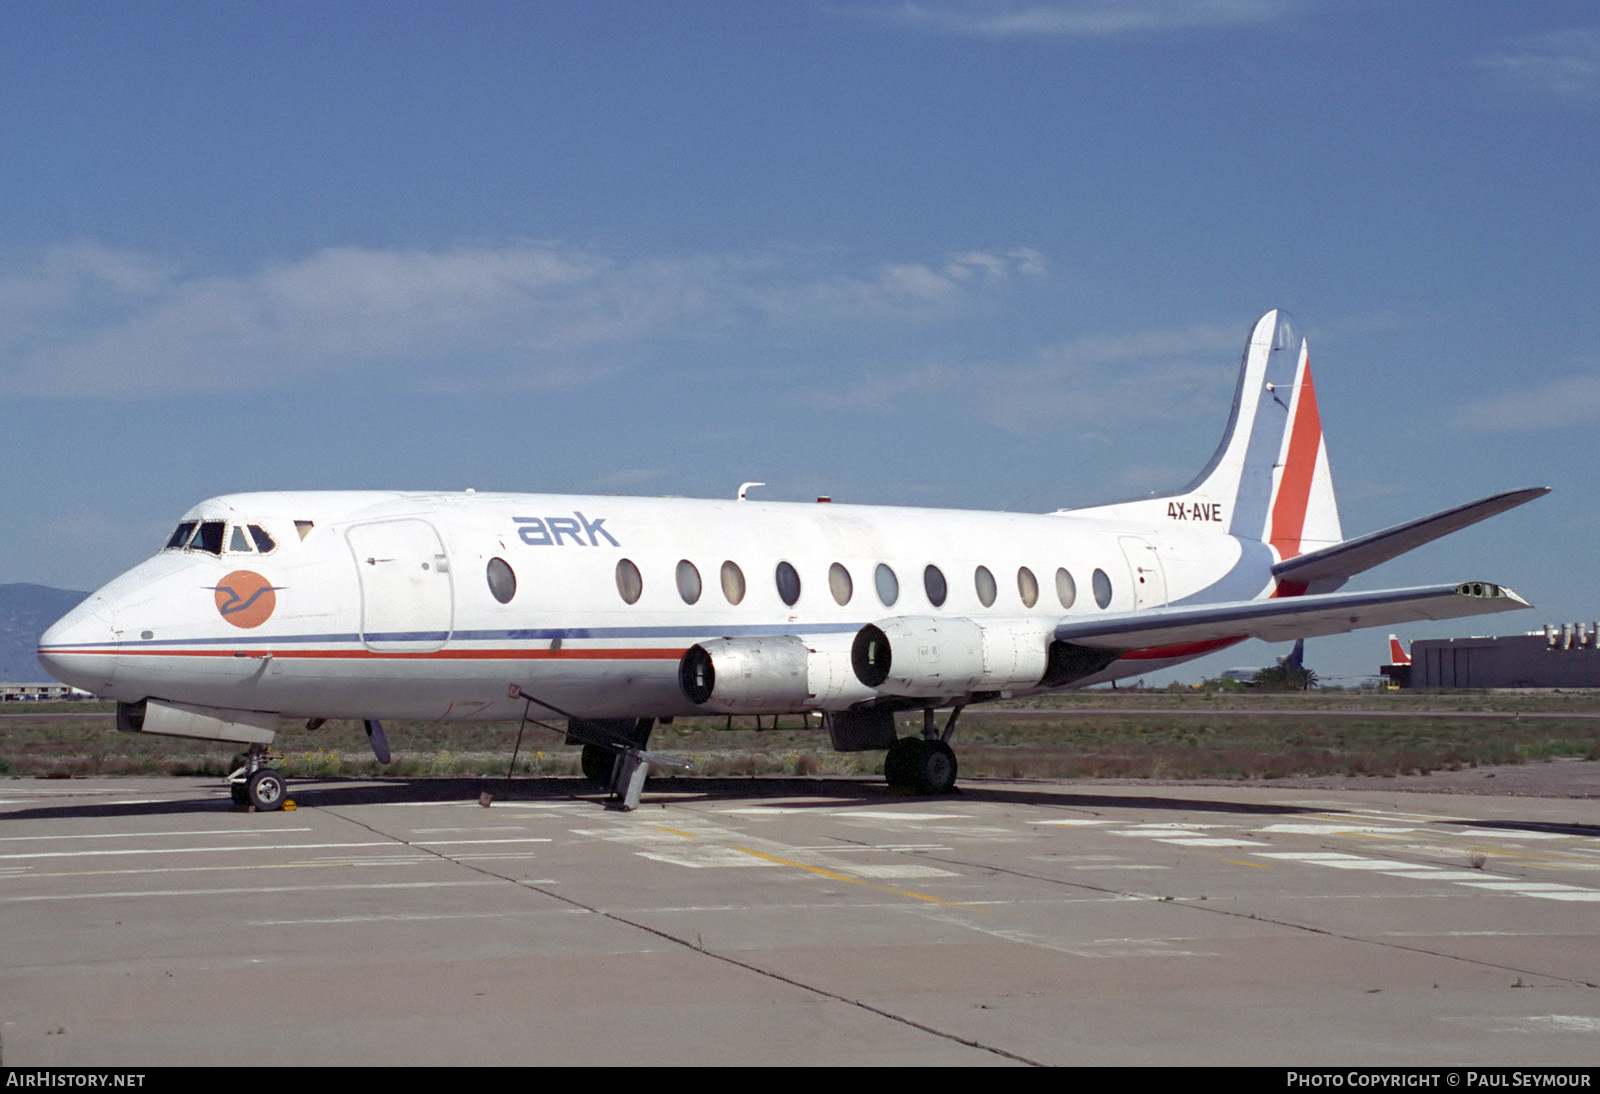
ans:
(443, 655)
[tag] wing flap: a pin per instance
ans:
(1364, 552)
(1287, 618)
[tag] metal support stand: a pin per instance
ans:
(630, 763)
(627, 781)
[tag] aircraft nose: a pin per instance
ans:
(80, 648)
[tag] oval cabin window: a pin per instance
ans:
(887, 584)
(788, 582)
(1066, 588)
(1027, 587)
(502, 580)
(1102, 588)
(629, 584)
(983, 582)
(839, 584)
(732, 582)
(688, 582)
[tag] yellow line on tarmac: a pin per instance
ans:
(674, 831)
(833, 876)
(1241, 862)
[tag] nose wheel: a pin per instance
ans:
(255, 785)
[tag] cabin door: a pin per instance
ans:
(1149, 583)
(406, 596)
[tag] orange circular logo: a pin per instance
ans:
(246, 599)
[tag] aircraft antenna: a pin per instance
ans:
(744, 487)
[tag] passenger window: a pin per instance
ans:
(630, 585)
(688, 581)
(181, 536)
(1066, 588)
(502, 580)
(732, 582)
(264, 542)
(1027, 587)
(1102, 588)
(788, 584)
(983, 580)
(839, 584)
(888, 585)
(209, 537)
(933, 583)
(238, 541)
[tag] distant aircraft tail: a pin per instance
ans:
(1270, 474)
(1296, 659)
(1397, 652)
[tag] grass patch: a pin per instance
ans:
(1127, 734)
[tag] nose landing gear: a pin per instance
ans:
(256, 786)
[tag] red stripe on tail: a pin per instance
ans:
(1299, 468)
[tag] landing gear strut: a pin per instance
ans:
(926, 764)
(256, 785)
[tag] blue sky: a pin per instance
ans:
(937, 253)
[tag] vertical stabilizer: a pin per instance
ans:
(1270, 473)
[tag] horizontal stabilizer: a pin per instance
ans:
(1363, 553)
(1281, 619)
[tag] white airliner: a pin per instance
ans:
(613, 612)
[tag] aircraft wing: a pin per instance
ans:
(1285, 618)
(1364, 552)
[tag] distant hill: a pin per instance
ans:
(25, 612)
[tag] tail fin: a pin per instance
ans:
(1269, 478)
(1297, 656)
(1397, 652)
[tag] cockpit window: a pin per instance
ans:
(210, 535)
(208, 538)
(181, 536)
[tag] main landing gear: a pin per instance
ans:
(925, 764)
(256, 785)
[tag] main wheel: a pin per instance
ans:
(936, 774)
(904, 759)
(266, 790)
(598, 763)
(240, 795)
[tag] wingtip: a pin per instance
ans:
(1488, 590)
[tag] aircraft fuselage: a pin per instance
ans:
(388, 607)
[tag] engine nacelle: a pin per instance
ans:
(771, 675)
(926, 657)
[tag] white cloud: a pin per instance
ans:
(94, 322)
(1090, 382)
(1556, 404)
(880, 392)
(907, 290)
(1563, 63)
(1077, 18)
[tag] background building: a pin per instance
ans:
(1560, 656)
